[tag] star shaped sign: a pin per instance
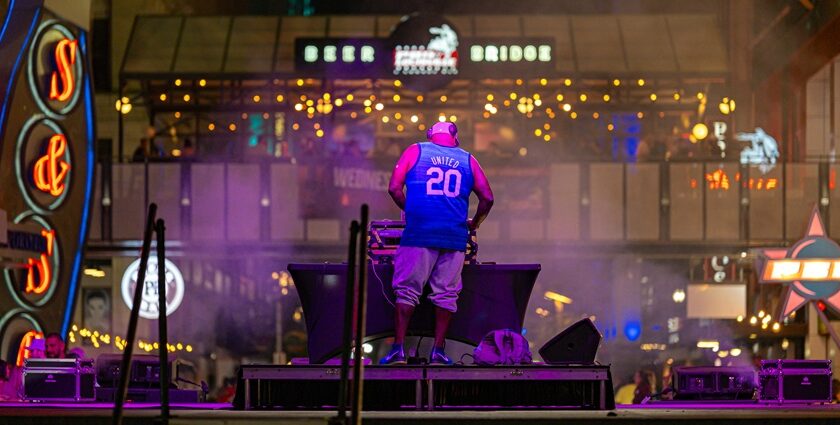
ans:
(810, 268)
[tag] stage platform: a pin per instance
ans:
(423, 387)
(216, 414)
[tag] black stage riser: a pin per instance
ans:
(429, 388)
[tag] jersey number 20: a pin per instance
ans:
(434, 187)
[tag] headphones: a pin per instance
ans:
(453, 130)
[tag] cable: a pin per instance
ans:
(382, 286)
(460, 361)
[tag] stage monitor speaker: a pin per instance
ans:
(577, 344)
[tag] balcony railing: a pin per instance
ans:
(562, 202)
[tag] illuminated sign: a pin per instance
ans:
(149, 307)
(720, 135)
(46, 166)
(719, 180)
(359, 58)
(55, 69)
(810, 268)
(43, 164)
(65, 58)
(511, 53)
(503, 57)
(438, 56)
(51, 169)
(763, 150)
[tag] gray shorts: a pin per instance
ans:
(414, 266)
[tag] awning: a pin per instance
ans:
(584, 44)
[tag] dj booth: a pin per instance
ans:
(494, 296)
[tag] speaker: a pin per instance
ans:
(577, 344)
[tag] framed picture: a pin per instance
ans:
(96, 309)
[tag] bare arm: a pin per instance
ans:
(395, 186)
(481, 187)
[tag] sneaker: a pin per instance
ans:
(396, 356)
(438, 357)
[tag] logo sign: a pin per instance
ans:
(810, 268)
(149, 307)
(359, 58)
(499, 57)
(55, 70)
(424, 51)
(763, 150)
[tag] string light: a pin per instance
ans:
(653, 97)
(596, 115)
(641, 82)
(211, 126)
(616, 82)
(163, 97)
(543, 82)
(385, 119)
(232, 127)
(397, 116)
(559, 97)
(443, 99)
(610, 127)
(676, 96)
(380, 106)
(606, 98)
(573, 115)
(178, 82)
(567, 82)
(349, 97)
(279, 98)
(640, 115)
(420, 98)
(397, 83)
(396, 98)
(490, 97)
(299, 82)
(547, 138)
(257, 98)
(202, 82)
(518, 81)
(186, 98)
(177, 115)
(414, 118)
(583, 97)
(567, 107)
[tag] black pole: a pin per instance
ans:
(163, 337)
(347, 336)
(125, 366)
(361, 318)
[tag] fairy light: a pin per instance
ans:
(567, 82)
(583, 97)
(211, 126)
(653, 97)
(443, 98)
(616, 82)
(414, 118)
(606, 98)
(543, 82)
(353, 115)
(178, 82)
(641, 82)
(299, 82)
(319, 133)
(202, 82)
(420, 98)
(559, 97)
(349, 97)
(397, 83)
(490, 97)
(163, 97)
(396, 98)
(232, 127)
(397, 116)
(279, 98)
(385, 119)
(518, 81)
(610, 127)
(567, 107)
(573, 115)
(186, 98)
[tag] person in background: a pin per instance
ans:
(645, 385)
(835, 391)
(625, 393)
(55, 346)
(147, 150)
(10, 383)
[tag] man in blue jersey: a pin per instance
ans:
(438, 177)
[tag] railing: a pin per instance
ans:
(563, 202)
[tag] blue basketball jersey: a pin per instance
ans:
(438, 198)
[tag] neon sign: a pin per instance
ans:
(149, 306)
(23, 353)
(65, 58)
(510, 53)
(43, 266)
(50, 170)
(810, 268)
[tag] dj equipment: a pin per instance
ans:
(145, 370)
(714, 383)
(577, 344)
(58, 380)
(384, 239)
(795, 381)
